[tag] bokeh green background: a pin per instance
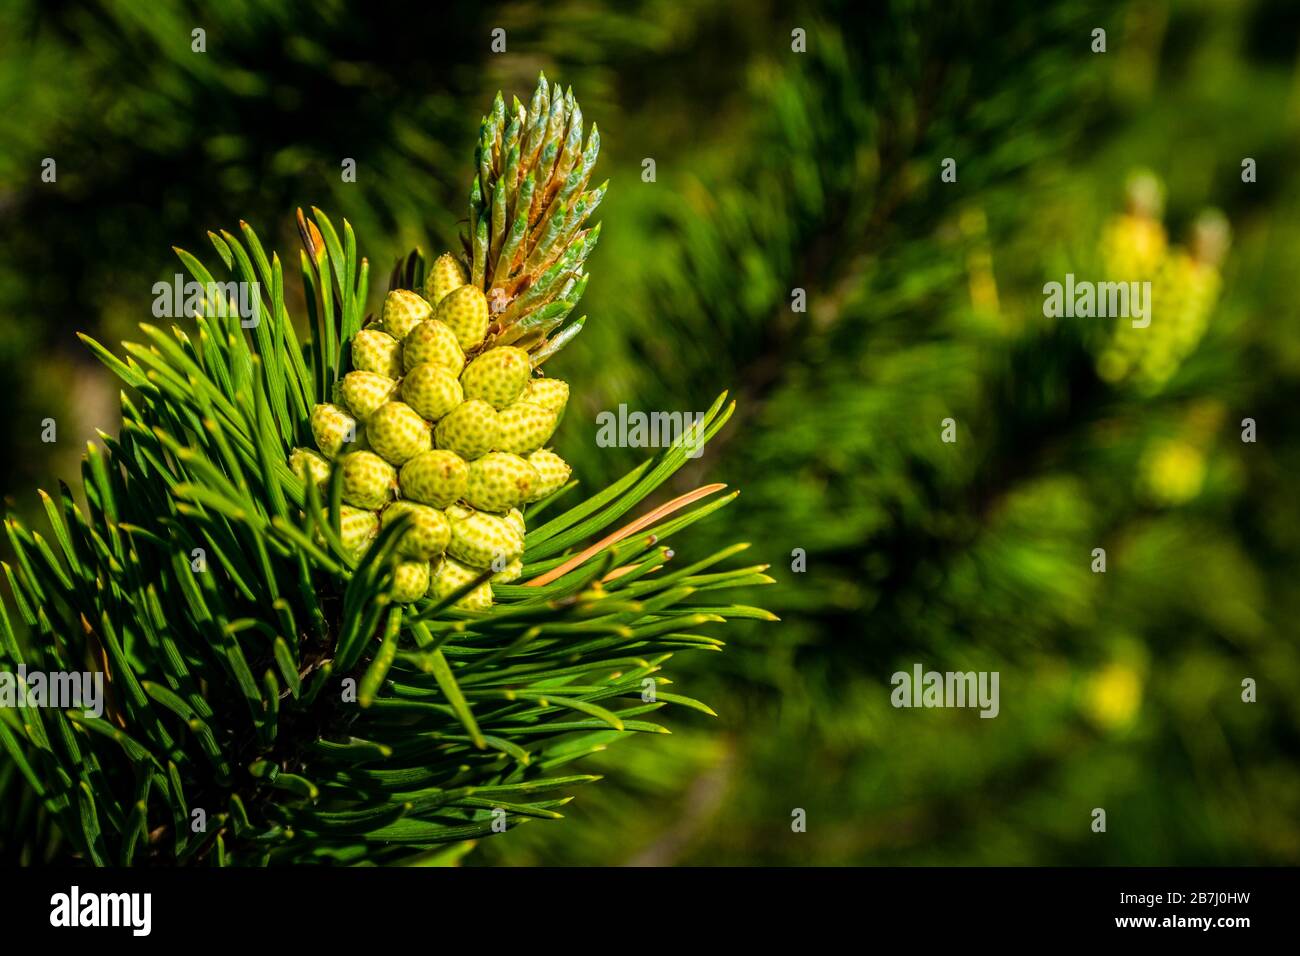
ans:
(778, 170)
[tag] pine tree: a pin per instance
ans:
(270, 694)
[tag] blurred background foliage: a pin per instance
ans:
(818, 171)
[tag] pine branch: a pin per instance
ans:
(269, 700)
